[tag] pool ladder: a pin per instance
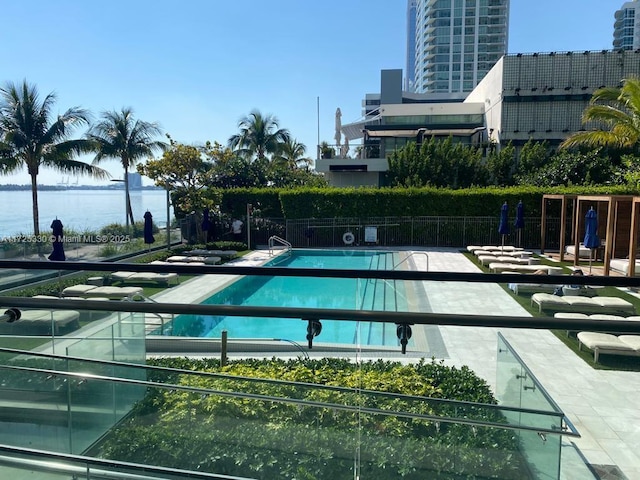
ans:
(275, 239)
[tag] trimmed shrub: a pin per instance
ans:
(263, 439)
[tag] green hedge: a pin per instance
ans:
(397, 202)
(260, 439)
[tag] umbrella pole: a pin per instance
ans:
(590, 258)
(502, 250)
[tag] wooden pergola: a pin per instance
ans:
(618, 223)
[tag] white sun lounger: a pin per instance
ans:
(583, 252)
(622, 265)
(194, 259)
(130, 277)
(489, 259)
(213, 253)
(498, 267)
(112, 293)
(498, 253)
(42, 322)
(609, 344)
(581, 304)
(595, 316)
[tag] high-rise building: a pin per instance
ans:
(626, 29)
(456, 42)
(410, 79)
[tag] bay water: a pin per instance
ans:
(79, 210)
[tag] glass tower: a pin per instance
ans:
(457, 42)
(626, 28)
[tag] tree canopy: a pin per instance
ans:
(31, 137)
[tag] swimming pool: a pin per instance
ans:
(306, 292)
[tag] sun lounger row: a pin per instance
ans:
(112, 293)
(145, 277)
(607, 343)
(581, 304)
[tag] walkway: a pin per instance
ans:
(603, 405)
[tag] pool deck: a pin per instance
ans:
(603, 405)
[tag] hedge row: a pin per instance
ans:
(263, 439)
(386, 202)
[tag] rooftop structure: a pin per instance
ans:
(539, 96)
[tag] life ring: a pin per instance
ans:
(348, 238)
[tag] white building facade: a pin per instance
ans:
(456, 42)
(626, 28)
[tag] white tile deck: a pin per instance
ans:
(603, 405)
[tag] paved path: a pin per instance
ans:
(603, 405)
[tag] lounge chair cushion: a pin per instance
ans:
(582, 251)
(129, 277)
(622, 265)
(546, 301)
(194, 259)
(607, 343)
(43, 322)
(514, 267)
(213, 253)
(113, 293)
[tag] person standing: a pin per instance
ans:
(236, 229)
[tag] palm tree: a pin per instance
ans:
(293, 154)
(29, 138)
(259, 135)
(118, 135)
(619, 110)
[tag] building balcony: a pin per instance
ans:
(344, 158)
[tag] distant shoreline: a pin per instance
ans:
(14, 187)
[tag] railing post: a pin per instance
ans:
(223, 349)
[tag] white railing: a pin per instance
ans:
(411, 255)
(274, 239)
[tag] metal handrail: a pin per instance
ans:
(275, 238)
(301, 402)
(411, 255)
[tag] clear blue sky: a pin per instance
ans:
(198, 66)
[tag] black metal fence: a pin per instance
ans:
(436, 231)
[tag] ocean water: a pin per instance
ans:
(79, 210)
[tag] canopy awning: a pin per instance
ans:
(381, 131)
(355, 130)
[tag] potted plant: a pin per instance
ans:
(326, 150)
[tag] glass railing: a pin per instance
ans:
(19, 463)
(257, 428)
(352, 152)
(86, 392)
(517, 387)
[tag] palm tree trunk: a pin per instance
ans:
(34, 202)
(36, 215)
(129, 211)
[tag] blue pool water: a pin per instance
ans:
(305, 292)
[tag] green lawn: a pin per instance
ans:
(605, 362)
